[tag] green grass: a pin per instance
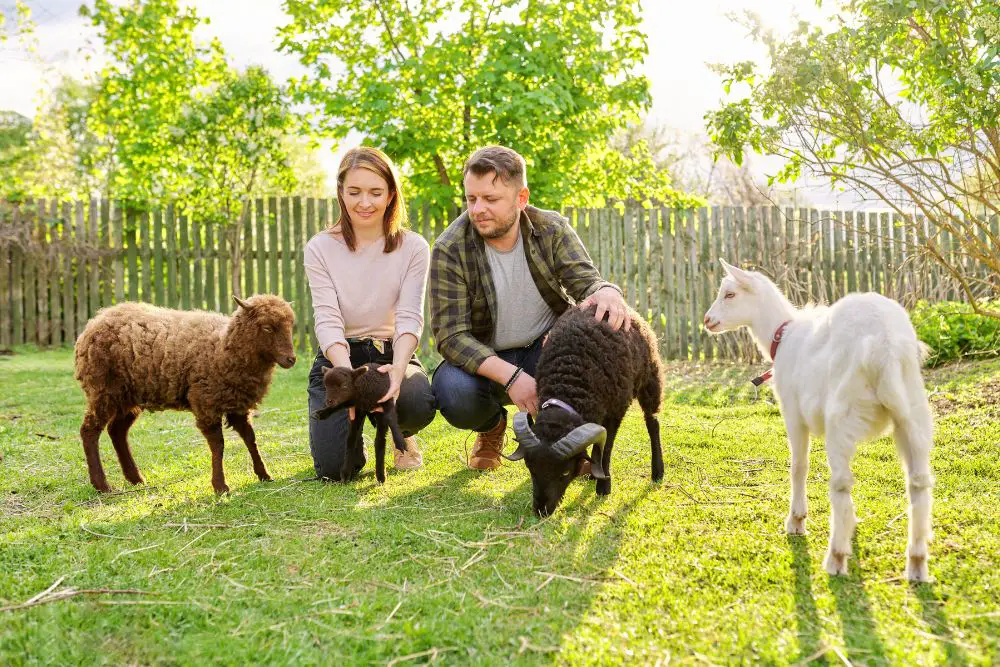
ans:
(449, 564)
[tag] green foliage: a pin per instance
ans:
(156, 70)
(899, 100)
(953, 331)
(429, 81)
(15, 135)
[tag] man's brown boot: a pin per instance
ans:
(486, 451)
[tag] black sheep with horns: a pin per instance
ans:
(587, 376)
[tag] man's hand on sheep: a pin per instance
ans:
(609, 301)
(524, 393)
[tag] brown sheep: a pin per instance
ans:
(133, 357)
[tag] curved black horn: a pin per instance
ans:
(526, 438)
(576, 441)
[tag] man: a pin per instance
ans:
(500, 275)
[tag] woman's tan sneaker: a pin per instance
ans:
(411, 459)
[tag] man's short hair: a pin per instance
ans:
(502, 161)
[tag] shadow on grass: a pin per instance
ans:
(932, 610)
(806, 616)
(864, 646)
(321, 572)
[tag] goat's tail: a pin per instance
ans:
(900, 387)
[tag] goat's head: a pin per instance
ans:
(265, 322)
(340, 387)
(736, 303)
(552, 465)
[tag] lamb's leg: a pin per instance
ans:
(392, 419)
(90, 434)
(118, 430)
(241, 424)
(839, 451)
(212, 430)
(798, 444)
(604, 485)
(355, 445)
(380, 433)
(913, 438)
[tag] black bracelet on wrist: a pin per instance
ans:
(513, 377)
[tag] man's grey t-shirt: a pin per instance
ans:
(522, 314)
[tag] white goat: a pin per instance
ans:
(846, 371)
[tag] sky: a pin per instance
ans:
(684, 38)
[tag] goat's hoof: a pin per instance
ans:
(916, 570)
(835, 563)
(795, 525)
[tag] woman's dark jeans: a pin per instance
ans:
(328, 437)
(475, 403)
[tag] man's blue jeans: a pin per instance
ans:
(472, 402)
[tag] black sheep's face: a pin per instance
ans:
(339, 385)
(550, 475)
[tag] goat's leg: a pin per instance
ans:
(241, 424)
(380, 434)
(90, 434)
(653, 428)
(913, 439)
(355, 445)
(798, 444)
(604, 485)
(118, 430)
(212, 430)
(839, 451)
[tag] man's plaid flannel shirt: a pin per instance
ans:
(462, 294)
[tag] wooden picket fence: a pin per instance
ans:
(62, 261)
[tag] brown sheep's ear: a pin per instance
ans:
(358, 372)
(241, 303)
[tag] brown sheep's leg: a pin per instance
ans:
(213, 433)
(241, 424)
(90, 433)
(118, 430)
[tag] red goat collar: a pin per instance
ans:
(779, 333)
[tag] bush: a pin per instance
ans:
(953, 331)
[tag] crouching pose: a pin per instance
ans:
(847, 371)
(367, 276)
(133, 357)
(587, 376)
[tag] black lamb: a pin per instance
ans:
(587, 376)
(361, 388)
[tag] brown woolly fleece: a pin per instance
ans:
(133, 357)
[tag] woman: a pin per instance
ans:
(367, 276)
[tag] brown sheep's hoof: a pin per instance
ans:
(137, 479)
(264, 477)
(219, 490)
(102, 488)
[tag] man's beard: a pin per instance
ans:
(501, 229)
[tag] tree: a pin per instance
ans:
(235, 138)
(23, 28)
(156, 70)
(899, 100)
(429, 81)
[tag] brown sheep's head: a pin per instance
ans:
(267, 320)
(552, 465)
(340, 389)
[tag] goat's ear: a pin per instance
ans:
(739, 275)
(241, 303)
(358, 372)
